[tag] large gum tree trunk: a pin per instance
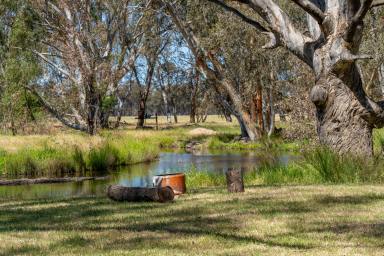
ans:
(345, 114)
(341, 119)
(93, 101)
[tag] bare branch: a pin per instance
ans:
(283, 28)
(252, 22)
(377, 3)
(61, 70)
(312, 10)
(55, 112)
(357, 20)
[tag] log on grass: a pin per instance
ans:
(235, 181)
(137, 194)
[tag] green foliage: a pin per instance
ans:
(20, 65)
(33, 162)
(78, 160)
(333, 167)
(322, 165)
(201, 179)
(53, 161)
(108, 103)
(102, 158)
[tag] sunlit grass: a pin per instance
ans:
(277, 220)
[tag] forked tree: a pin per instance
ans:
(345, 114)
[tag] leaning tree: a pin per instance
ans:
(345, 114)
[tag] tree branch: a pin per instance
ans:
(312, 10)
(377, 3)
(357, 20)
(283, 28)
(252, 22)
(56, 113)
(61, 70)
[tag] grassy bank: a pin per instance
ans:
(278, 220)
(77, 153)
(313, 166)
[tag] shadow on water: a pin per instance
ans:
(141, 174)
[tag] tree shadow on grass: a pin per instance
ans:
(354, 200)
(161, 222)
(23, 250)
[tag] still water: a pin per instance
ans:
(142, 174)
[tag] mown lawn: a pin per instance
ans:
(274, 220)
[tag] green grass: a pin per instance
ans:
(315, 166)
(277, 220)
(201, 179)
(53, 161)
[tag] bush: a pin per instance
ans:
(201, 179)
(103, 158)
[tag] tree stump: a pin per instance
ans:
(135, 194)
(235, 181)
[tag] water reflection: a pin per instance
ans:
(141, 174)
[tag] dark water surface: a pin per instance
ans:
(141, 174)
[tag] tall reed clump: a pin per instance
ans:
(202, 179)
(335, 168)
(47, 161)
(321, 166)
(103, 158)
(35, 162)
(378, 141)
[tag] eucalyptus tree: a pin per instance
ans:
(227, 55)
(88, 52)
(169, 79)
(346, 115)
(18, 66)
(156, 37)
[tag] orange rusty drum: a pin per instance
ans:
(174, 180)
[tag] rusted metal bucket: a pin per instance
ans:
(174, 180)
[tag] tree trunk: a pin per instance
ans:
(192, 116)
(92, 116)
(166, 104)
(133, 194)
(141, 114)
(118, 119)
(174, 114)
(104, 120)
(228, 118)
(271, 128)
(341, 120)
(243, 129)
(259, 108)
(93, 103)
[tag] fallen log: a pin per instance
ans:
(19, 182)
(136, 194)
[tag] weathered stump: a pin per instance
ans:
(135, 194)
(235, 181)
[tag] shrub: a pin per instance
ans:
(103, 158)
